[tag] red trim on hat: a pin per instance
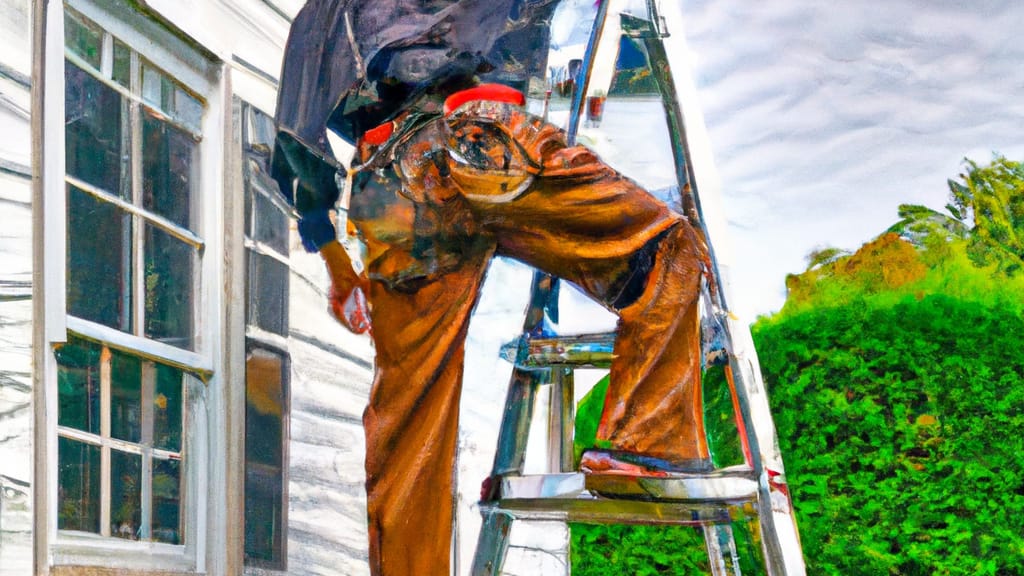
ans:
(486, 92)
(380, 134)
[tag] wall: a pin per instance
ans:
(15, 289)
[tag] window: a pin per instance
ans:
(130, 376)
(132, 136)
(266, 430)
(267, 362)
(266, 225)
(120, 443)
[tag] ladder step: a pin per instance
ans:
(727, 485)
(599, 510)
(585, 350)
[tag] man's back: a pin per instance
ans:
(350, 64)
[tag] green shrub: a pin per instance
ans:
(902, 428)
(603, 550)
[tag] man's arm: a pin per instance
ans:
(309, 183)
(347, 298)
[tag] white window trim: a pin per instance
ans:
(149, 39)
(48, 255)
(198, 364)
(207, 520)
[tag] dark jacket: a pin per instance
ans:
(323, 86)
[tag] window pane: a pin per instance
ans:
(84, 41)
(268, 293)
(271, 222)
(264, 456)
(164, 94)
(95, 149)
(78, 493)
(168, 168)
(167, 501)
(78, 385)
(187, 109)
(263, 525)
(122, 72)
(125, 494)
(249, 191)
(260, 131)
(167, 409)
(99, 261)
(125, 397)
(264, 401)
(152, 86)
(169, 266)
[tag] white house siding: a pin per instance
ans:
(331, 374)
(15, 374)
(15, 290)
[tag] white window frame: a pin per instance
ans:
(203, 431)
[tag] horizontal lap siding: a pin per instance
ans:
(331, 375)
(15, 291)
(15, 375)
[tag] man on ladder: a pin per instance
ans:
(449, 171)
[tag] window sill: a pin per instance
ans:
(100, 571)
(85, 554)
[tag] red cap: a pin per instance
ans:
(486, 92)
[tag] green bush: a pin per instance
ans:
(603, 550)
(902, 427)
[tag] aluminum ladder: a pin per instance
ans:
(753, 493)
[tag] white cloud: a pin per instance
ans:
(823, 116)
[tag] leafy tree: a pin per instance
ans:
(924, 227)
(822, 256)
(885, 264)
(992, 198)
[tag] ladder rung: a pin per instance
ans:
(585, 350)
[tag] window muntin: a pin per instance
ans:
(120, 426)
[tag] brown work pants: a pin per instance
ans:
(556, 208)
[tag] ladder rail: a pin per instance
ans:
(579, 95)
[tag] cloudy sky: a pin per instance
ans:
(824, 116)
